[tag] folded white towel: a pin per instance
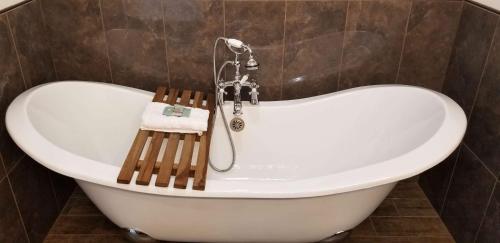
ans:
(154, 120)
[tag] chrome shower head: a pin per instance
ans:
(252, 64)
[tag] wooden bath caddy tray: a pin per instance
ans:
(166, 166)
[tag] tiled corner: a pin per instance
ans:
(314, 33)
(472, 44)
(11, 84)
(490, 228)
(191, 27)
(77, 39)
(136, 42)
(32, 43)
(373, 43)
(483, 135)
(10, 221)
(435, 181)
(431, 32)
(63, 187)
(31, 186)
(468, 196)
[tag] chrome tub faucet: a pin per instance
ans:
(239, 81)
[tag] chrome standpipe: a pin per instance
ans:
(239, 82)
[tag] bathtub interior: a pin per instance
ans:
(281, 141)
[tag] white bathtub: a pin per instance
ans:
(305, 169)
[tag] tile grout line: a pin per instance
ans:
(2, 166)
(476, 235)
(344, 37)
(403, 47)
(105, 41)
(452, 51)
(395, 207)
(283, 53)
(455, 162)
(485, 67)
(15, 164)
(13, 39)
(163, 13)
(480, 161)
(223, 18)
(53, 191)
(372, 224)
(15, 199)
(49, 39)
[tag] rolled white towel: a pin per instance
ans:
(153, 119)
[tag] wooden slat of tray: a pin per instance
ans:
(202, 160)
(128, 168)
(146, 171)
(182, 175)
(174, 168)
(167, 162)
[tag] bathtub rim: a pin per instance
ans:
(423, 157)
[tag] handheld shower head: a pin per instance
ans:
(234, 43)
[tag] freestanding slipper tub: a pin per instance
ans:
(306, 169)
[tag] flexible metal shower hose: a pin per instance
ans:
(218, 103)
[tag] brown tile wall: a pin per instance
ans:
(465, 188)
(305, 48)
(30, 195)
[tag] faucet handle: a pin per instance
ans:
(254, 94)
(244, 78)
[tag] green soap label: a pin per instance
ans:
(177, 110)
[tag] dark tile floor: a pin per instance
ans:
(406, 216)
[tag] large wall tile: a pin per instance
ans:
(468, 197)
(490, 229)
(32, 43)
(77, 39)
(373, 42)
(484, 126)
(11, 84)
(435, 181)
(11, 228)
(429, 41)
(136, 42)
(191, 28)
(314, 32)
(472, 44)
(31, 186)
(260, 24)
